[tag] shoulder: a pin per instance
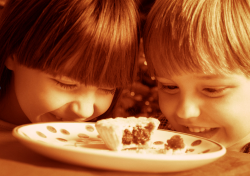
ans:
(6, 126)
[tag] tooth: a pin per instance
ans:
(207, 129)
(202, 129)
(191, 129)
(196, 129)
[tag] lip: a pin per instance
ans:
(65, 119)
(76, 119)
(206, 134)
(59, 118)
(48, 117)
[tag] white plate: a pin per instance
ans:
(80, 144)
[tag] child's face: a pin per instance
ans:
(45, 98)
(212, 106)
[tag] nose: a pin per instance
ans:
(188, 108)
(83, 108)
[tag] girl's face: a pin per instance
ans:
(212, 106)
(43, 97)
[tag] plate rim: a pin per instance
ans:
(117, 154)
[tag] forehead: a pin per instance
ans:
(201, 76)
(198, 72)
(177, 63)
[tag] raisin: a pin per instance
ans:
(158, 142)
(127, 137)
(195, 143)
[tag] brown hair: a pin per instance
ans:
(198, 36)
(92, 41)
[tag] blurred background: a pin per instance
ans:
(140, 99)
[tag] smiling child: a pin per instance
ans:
(65, 60)
(199, 52)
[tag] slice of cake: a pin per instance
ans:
(120, 133)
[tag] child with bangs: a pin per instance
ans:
(199, 52)
(65, 60)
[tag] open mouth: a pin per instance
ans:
(59, 118)
(49, 117)
(201, 131)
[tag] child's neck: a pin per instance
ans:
(10, 110)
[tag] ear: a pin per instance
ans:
(10, 62)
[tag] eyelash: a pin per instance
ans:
(171, 89)
(73, 86)
(212, 92)
(106, 91)
(66, 86)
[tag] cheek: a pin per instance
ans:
(230, 109)
(167, 104)
(229, 114)
(103, 103)
(36, 97)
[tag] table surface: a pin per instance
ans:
(16, 159)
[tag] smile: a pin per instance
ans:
(67, 119)
(200, 129)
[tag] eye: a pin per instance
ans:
(171, 89)
(66, 86)
(108, 91)
(214, 92)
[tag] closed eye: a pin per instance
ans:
(170, 89)
(214, 92)
(108, 91)
(66, 86)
